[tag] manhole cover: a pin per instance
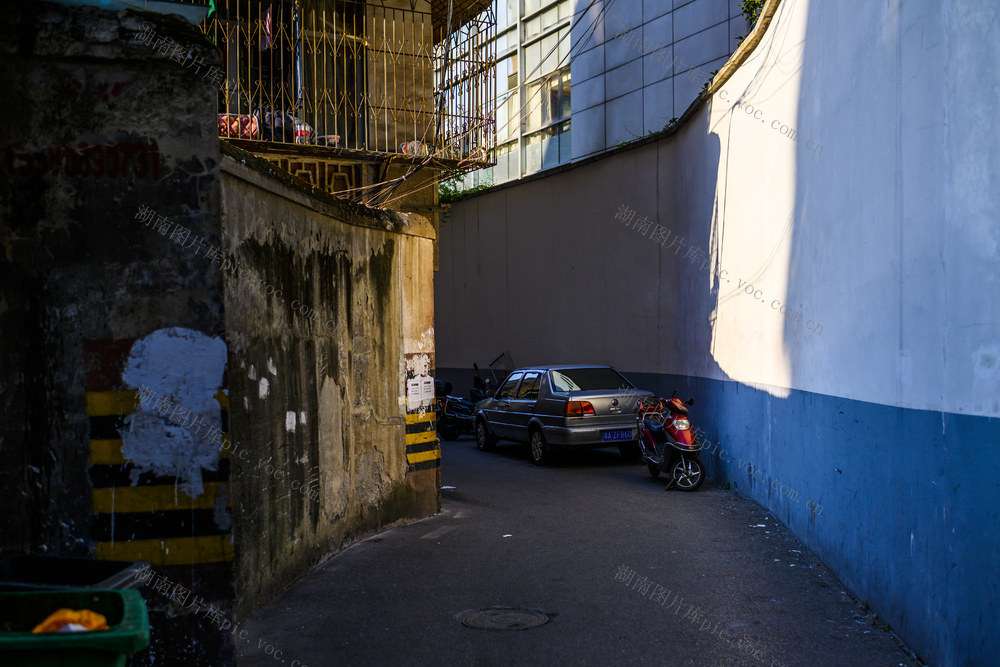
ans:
(502, 618)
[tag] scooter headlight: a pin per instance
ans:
(682, 424)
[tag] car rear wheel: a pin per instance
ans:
(541, 453)
(688, 474)
(484, 441)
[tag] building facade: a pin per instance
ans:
(578, 77)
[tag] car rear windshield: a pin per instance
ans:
(586, 379)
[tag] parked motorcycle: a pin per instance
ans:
(666, 442)
(484, 387)
(454, 414)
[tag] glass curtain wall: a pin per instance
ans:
(533, 89)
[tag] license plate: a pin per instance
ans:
(624, 434)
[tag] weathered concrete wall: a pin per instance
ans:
(813, 256)
(98, 299)
(131, 320)
(328, 306)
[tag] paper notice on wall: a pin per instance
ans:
(413, 393)
(427, 389)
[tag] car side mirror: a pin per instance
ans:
(689, 402)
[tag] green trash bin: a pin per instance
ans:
(20, 612)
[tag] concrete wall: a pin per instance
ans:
(813, 257)
(133, 315)
(327, 307)
(639, 63)
(107, 150)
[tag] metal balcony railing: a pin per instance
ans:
(360, 76)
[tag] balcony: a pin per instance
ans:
(331, 85)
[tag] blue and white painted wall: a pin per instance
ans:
(814, 256)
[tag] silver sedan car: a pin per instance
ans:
(560, 406)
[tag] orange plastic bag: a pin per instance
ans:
(60, 618)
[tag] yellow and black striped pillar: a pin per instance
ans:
(138, 515)
(423, 451)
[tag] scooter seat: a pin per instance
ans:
(659, 434)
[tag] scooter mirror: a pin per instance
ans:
(689, 402)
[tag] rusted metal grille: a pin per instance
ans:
(466, 77)
(357, 76)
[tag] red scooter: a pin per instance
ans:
(666, 442)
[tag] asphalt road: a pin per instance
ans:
(625, 572)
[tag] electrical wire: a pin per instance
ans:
(386, 188)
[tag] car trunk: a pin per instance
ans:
(611, 406)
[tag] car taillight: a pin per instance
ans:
(578, 408)
(682, 424)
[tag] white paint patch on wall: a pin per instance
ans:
(302, 417)
(271, 368)
(426, 342)
(290, 421)
(264, 388)
(185, 366)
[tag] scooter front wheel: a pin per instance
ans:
(688, 474)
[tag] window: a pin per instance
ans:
(532, 27)
(506, 167)
(548, 100)
(506, 13)
(550, 52)
(508, 117)
(583, 379)
(533, 153)
(550, 18)
(551, 137)
(507, 73)
(532, 57)
(506, 390)
(547, 148)
(529, 388)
